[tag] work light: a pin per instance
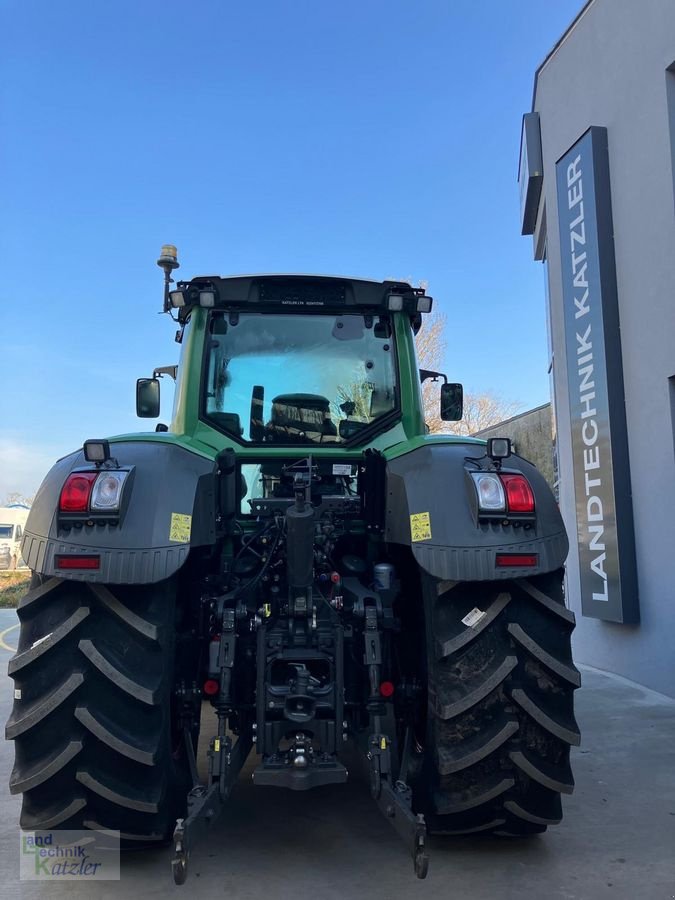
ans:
(177, 298)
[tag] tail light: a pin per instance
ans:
(503, 493)
(519, 496)
(76, 492)
(97, 492)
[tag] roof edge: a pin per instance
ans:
(563, 37)
(520, 415)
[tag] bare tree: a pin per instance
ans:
(430, 345)
(481, 410)
(353, 400)
(15, 497)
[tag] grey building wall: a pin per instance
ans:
(611, 70)
(531, 436)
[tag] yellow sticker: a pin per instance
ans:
(383, 743)
(216, 745)
(267, 610)
(420, 526)
(181, 527)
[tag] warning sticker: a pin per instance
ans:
(181, 526)
(420, 526)
(342, 469)
(474, 617)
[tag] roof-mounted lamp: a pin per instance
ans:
(168, 261)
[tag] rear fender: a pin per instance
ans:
(455, 547)
(167, 480)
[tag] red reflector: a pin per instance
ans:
(387, 689)
(517, 559)
(519, 496)
(76, 491)
(78, 562)
(211, 687)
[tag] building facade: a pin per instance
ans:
(597, 184)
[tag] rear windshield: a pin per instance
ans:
(299, 379)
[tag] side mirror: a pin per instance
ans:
(147, 398)
(452, 402)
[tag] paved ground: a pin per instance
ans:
(617, 839)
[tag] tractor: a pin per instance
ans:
(296, 562)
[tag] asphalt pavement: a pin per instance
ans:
(617, 839)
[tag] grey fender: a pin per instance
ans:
(434, 479)
(166, 479)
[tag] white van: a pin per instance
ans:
(12, 523)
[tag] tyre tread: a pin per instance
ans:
(96, 748)
(501, 709)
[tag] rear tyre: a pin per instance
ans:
(91, 720)
(500, 706)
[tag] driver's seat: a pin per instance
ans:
(298, 417)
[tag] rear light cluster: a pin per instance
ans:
(503, 493)
(92, 492)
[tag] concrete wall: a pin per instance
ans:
(611, 70)
(531, 437)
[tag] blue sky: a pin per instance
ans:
(368, 138)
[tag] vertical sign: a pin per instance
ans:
(595, 383)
